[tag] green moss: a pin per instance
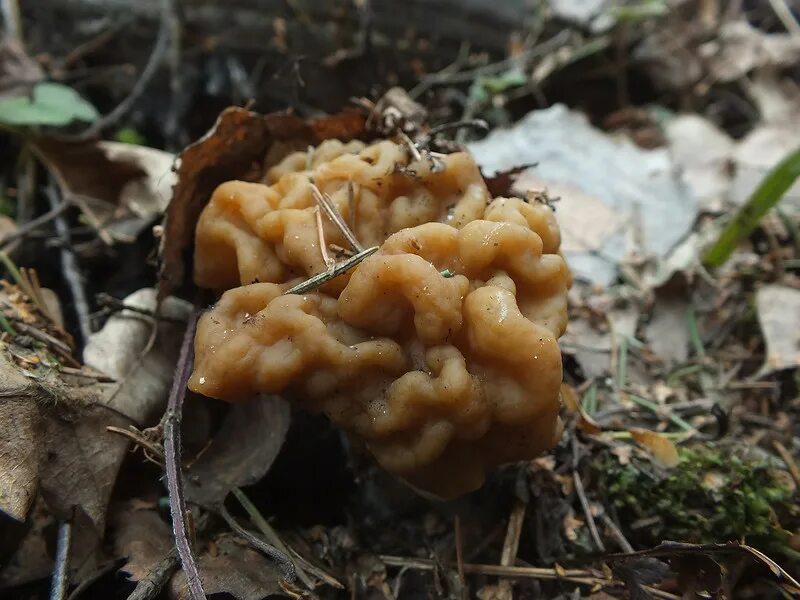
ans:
(713, 495)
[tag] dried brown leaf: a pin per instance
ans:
(660, 447)
(667, 331)
(778, 313)
(235, 148)
(143, 537)
(20, 429)
(81, 461)
(232, 569)
(241, 452)
(122, 186)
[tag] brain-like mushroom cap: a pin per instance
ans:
(439, 352)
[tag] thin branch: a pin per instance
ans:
(794, 471)
(149, 71)
(587, 510)
(60, 581)
(784, 13)
(150, 586)
(616, 532)
(69, 264)
(326, 203)
(273, 538)
(172, 457)
(284, 562)
(583, 576)
(12, 20)
(32, 225)
(321, 278)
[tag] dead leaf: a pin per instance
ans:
(501, 183)
(123, 186)
(32, 560)
(658, 445)
(779, 313)
(233, 569)
(143, 537)
(235, 148)
(81, 460)
(142, 381)
(241, 452)
(667, 331)
(591, 347)
(739, 48)
(634, 185)
(20, 435)
(573, 404)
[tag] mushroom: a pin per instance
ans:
(438, 352)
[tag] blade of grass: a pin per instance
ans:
(770, 190)
(590, 400)
(652, 406)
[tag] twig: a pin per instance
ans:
(583, 576)
(459, 556)
(284, 562)
(69, 264)
(787, 457)
(784, 13)
(60, 581)
(12, 19)
(140, 439)
(172, 458)
(326, 203)
(60, 347)
(32, 225)
(266, 529)
(321, 278)
(329, 262)
(587, 510)
(616, 532)
(149, 71)
(84, 585)
(104, 299)
(150, 586)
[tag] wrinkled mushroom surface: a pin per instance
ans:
(441, 376)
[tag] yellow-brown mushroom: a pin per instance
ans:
(439, 352)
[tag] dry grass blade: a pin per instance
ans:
(321, 278)
(326, 203)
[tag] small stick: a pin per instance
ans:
(587, 510)
(329, 262)
(460, 556)
(584, 576)
(617, 533)
(794, 471)
(149, 71)
(69, 264)
(172, 459)
(150, 586)
(325, 201)
(104, 299)
(321, 278)
(286, 564)
(412, 147)
(25, 229)
(60, 581)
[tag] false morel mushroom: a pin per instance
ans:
(438, 352)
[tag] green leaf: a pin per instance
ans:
(770, 190)
(50, 104)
